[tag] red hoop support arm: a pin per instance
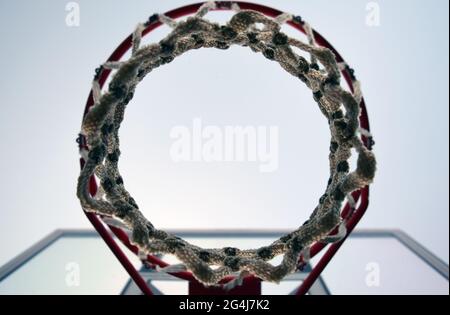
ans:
(361, 196)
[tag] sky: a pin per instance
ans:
(48, 64)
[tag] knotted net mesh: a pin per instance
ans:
(261, 34)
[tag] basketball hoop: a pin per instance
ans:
(109, 205)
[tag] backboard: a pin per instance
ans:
(369, 262)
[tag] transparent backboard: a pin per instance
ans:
(369, 262)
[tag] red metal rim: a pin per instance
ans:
(361, 196)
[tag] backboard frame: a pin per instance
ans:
(319, 287)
